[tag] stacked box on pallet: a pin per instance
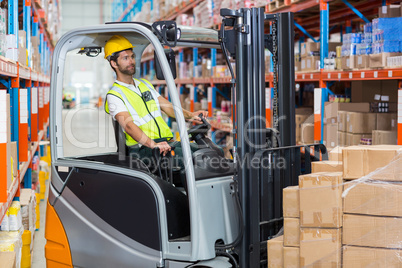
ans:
(291, 227)
(320, 219)
(372, 228)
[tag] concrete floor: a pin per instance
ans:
(87, 130)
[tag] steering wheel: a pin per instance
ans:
(199, 129)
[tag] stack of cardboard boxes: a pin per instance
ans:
(335, 122)
(310, 56)
(335, 219)
(347, 124)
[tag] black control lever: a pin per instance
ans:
(156, 153)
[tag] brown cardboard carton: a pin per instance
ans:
(366, 90)
(304, 110)
(380, 60)
(331, 135)
(354, 158)
(291, 257)
(362, 61)
(297, 66)
(348, 62)
(310, 63)
(308, 47)
(342, 120)
(386, 121)
(372, 231)
(370, 257)
(390, 11)
(307, 133)
(341, 138)
(331, 109)
(275, 252)
(326, 166)
(291, 232)
(8, 259)
(380, 156)
(300, 118)
(336, 155)
(354, 139)
(321, 199)
(384, 137)
(358, 123)
(320, 247)
(332, 46)
(291, 202)
(373, 198)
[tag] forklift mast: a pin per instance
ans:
(251, 32)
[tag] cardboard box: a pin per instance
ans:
(300, 118)
(336, 154)
(331, 109)
(366, 91)
(384, 137)
(348, 62)
(360, 123)
(332, 46)
(342, 120)
(370, 257)
(291, 257)
(331, 135)
(380, 156)
(291, 206)
(326, 166)
(341, 138)
(298, 66)
(8, 259)
(359, 161)
(321, 199)
(390, 11)
(320, 247)
(308, 47)
(307, 133)
(386, 121)
(304, 110)
(380, 60)
(291, 232)
(354, 139)
(373, 198)
(372, 231)
(275, 252)
(310, 63)
(362, 61)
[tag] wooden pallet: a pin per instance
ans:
(276, 4)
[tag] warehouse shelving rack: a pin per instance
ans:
(29, 97)
(307, 13)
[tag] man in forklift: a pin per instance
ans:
(136, 105)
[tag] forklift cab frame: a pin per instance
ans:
(161, 227)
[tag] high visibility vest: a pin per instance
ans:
(144, 110)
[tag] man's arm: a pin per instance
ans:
(167, 107)
(125, 120)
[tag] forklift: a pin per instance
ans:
(113, 210)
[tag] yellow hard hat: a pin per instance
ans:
(115, 44)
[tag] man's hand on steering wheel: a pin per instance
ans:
(195, 116)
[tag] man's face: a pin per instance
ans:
(126, 62)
